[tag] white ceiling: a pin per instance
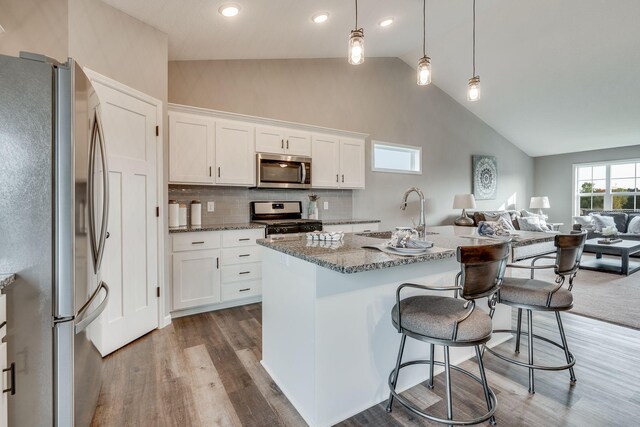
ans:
(557, 75)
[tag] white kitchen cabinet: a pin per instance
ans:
(191, 148)
(5, 383)
(325, 161)
(283, 141)
(352, 163)
(351, 228)
(196, 278)
(337, 163)
(235, 153)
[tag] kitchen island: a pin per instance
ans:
(327, 338)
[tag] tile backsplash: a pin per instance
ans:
(232, 204)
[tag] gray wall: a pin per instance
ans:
(380, 98)
(554, 177)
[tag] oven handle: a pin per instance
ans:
(304, 173)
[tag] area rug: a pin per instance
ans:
(604, 296)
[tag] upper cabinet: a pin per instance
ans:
(337, 162)
(283, 141)
(235, 154)
(191, 148)
(218, 148)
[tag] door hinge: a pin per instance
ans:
(157, 130)
(158, 211)
(158, 291)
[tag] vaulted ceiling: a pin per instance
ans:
(557, 76)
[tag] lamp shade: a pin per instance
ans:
(464, 201)
(539, 203)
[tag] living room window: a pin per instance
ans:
(396, 158)
(607, 186)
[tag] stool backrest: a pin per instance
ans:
(482, 269)
(569, 252)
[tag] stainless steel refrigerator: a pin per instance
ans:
(54, 204)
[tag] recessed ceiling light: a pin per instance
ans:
(320, 17)
(386, 22)
(229, 10)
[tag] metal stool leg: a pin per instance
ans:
(566, 347)
(397, 371)
(447, 371)
(485, 386)
(530, 326)
(432, 355)
(518, 329)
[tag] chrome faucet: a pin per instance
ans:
(422, 225)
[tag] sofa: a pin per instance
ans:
(522, 252)
(621, 219)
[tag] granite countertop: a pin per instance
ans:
(348, 221)
(216, 227)
(6, 280)
(349, 256)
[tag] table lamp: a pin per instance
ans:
(464, 202)
(539, 202)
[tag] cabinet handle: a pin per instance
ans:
(218, 263)
(243, 255)
(342, 177)
(12, 376)
(209, 170)
(366, 231)
(245, 272)
(218, 171)
(197, 243)
(282, 144)
(287, 144)
(246, 239)
(244, 290)
(3, 324)
(337, 179)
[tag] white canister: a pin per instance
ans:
(196, 213)
(174, 213)
(183, 215)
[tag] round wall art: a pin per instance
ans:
(485, 177)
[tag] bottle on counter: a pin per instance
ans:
(174, 214)
(183, 215)
(196, 213)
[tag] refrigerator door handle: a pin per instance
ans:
(82, 318)
(105, 193)
(90, 189)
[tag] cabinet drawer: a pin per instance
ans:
(244, 289)
(196, 241)
(241, 255)
(240, 272)
(233, 238)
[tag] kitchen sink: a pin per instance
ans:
(384, 234)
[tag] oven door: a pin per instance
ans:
(275, 171)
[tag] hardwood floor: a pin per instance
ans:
(204, 370)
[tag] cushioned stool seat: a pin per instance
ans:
(435, 317)
(534, 292)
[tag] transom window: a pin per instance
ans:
(607, 186)
(387, 157)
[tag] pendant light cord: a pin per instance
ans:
(356, 14)
(424, 28)
(474, 38)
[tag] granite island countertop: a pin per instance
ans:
(349, 256)
(348, 221)
(215, 227)
(6, 280)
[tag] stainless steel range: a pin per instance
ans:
(282, 218)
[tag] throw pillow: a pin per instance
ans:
(505, 225)
(585, 221)
(542, 219)
(601, 222)
(530, 224)
(634, 225)
(497, 216)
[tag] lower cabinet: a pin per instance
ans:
(352, 228)
(216, 268)
(6, 381)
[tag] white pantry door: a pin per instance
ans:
(130, 264)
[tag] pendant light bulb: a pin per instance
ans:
(424, 71)
(356, 43)
(356, 47)
(473, 91)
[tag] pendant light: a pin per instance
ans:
(356, 43)
(473, 91)
(424, 64)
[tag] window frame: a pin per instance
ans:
(417, 155)
(608, 193)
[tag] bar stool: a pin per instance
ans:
(452, 322)
(537, 295)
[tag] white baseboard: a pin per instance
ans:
(214, 307)
(166, 321)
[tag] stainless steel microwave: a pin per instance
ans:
(277, 171)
